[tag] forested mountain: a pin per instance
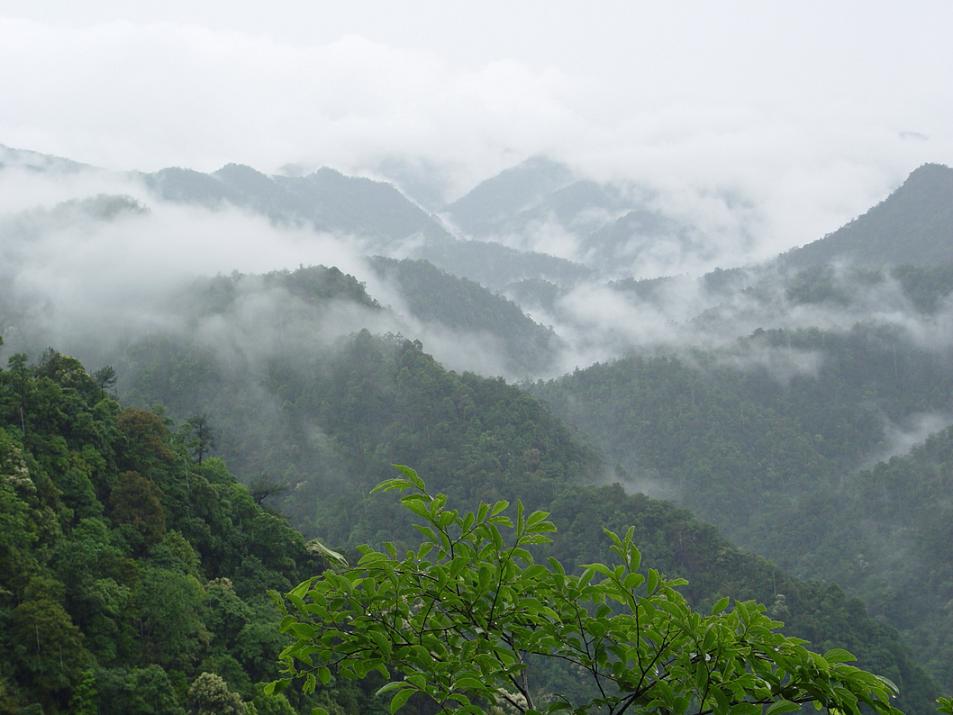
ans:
(759, 439)
(322, 428)
(131, 491)
(643, 236)
(127, 568)
(424, 181)
(482, 210)
(497, 266)
(580, 208)
(914, 225)
(326, 199)
(541, 205)
(25, 159)
(432, 295)
(890, 538)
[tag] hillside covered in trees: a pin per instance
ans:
(118, 533)
(129, 571)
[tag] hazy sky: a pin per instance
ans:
(808, 108)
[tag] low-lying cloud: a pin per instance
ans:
(696, 104)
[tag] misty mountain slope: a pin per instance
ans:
(761, 440)
(723, 305)
(890, 540)
(362, 206)
(682, 435)
(190, 186)
(20, 234)
(11, 158)
(422, 180)
(535, 294)
(496, 266)
(644, 289)
(582, 206)
(742, 434)
(645, 237)
(79, 213)
(559, 220)
(913, 225)
(326, 200)
(326, 425)
(479, 211)
(431, 295)
(317, 287)
(619, 229)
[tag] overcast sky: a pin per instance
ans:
(813, 108)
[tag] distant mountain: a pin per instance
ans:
(914, 225)
(497, 266)
(433, 296)
(535, 293)
(101, 207)
(645, 236)
(480, 211)
(580, 208)
(35, 161)
(325, 199)
(542, 206)
(423, 181)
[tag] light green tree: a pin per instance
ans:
(471, 621)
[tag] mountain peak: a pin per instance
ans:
(928, 177)
(913, 225)
(512, 190)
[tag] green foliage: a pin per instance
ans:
(209, 695)
(126, 568)
(464, 619)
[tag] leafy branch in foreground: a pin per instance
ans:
(469, 620)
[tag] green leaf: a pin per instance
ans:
(393, 685)
(839, 655)
(411, 475)
(470, 682)
(782, 706)
(390, 485)
(720, 605)
(400, 699)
